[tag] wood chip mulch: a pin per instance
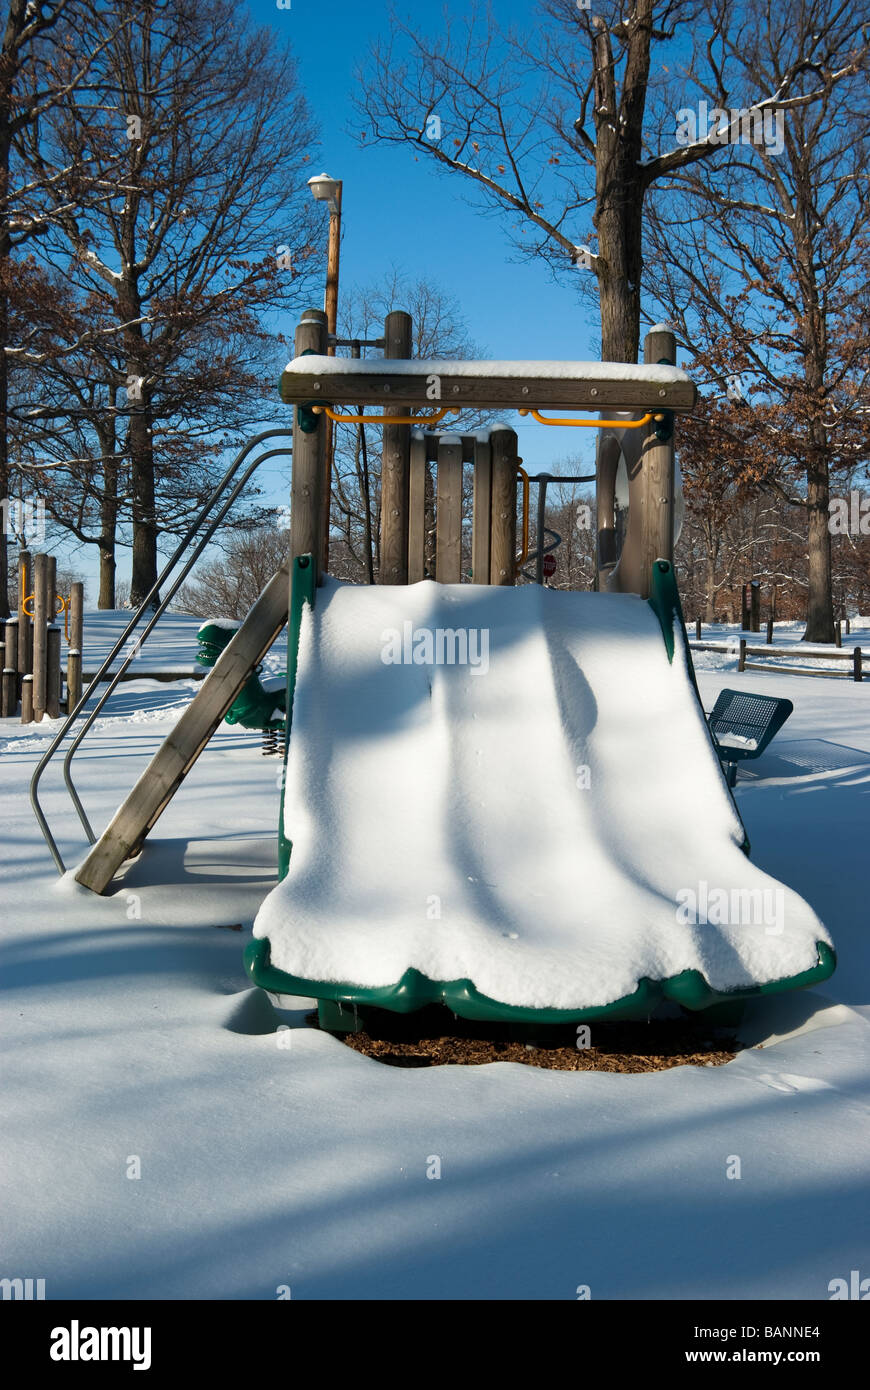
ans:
(434, 1038)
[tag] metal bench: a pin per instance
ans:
(743, 725)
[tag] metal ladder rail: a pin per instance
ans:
(113, 683)
(73, 715)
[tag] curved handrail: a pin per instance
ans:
(152, 622)
(591, 424)
(417, 420)
(73, 714)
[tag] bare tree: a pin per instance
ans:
(179, 256)
(228, 587)
(38, 69)
(763, 273)
(552, 126)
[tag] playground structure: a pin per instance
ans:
(30, 644)
(603, 679)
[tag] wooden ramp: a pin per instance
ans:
(171, 763)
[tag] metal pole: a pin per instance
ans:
(74, 713)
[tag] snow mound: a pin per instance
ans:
(547, 820)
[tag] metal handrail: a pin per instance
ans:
(72, 715)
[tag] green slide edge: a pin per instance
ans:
(303, 588)
(414, 991)
(664, 600)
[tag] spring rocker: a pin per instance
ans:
(502, 799)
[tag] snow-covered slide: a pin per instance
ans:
(508, 799)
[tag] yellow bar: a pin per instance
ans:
(384, 419)
(593, 424)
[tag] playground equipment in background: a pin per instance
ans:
(605, 672)
(30, 644)
(261, 703)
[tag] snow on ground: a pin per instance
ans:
(283, 1158)
(171, 647)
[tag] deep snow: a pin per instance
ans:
(283, 1158)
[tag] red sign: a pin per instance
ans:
(549, 566)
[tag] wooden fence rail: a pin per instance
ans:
(739, 647)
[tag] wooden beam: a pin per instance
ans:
(396, 466)
(481, 525)
(177, 755)
(372, 383)
(502, 569)
(52, 690)
(417, 511)
(74, 650)
(41, 601)
(25, 634)
(448, 514)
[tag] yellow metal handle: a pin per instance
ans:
(521, 559)
(384, 419)
(593, 424)
(64, 608)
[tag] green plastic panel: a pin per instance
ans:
(253, 707)
(414, 991)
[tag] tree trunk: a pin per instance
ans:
(820, 604)
(107, 578)
(144, 520)
(710, 587)
(108, 522)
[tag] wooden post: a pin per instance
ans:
(657, 474)
(396, 465)
(503, 544)
(41, 610)
(697, 629)
(838, 634)
(27, 700)
(448, 514)
(309, 456)
(848, 627)
(745, 618)
(856, 665)
(769, 638)
(11, 679)
(481, 524)
(51, 584)
(25, 633)
(755, 606)
(9, 693)
(75, 648)
(52, 692)
(741, 662)
(417, 509)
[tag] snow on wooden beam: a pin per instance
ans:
(609, 386)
